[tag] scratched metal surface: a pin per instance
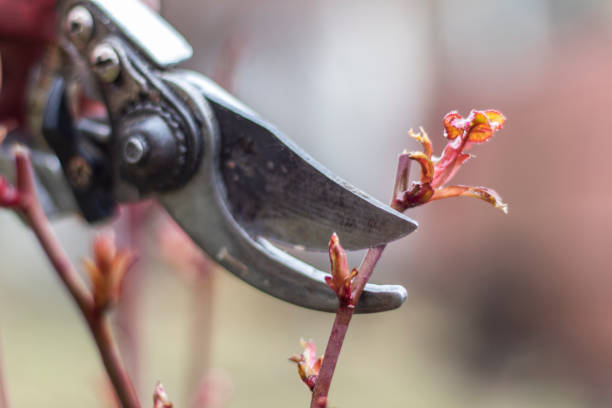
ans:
(202, 210)
(276, 190)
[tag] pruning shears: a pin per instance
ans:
(233, 182)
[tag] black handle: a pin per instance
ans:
(85, 164)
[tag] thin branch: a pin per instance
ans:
(100, 328)
(366, 269)
(3, 395)
(131, 227)
(201, 298)
(345, 312)
(29, 205)
(330, 358)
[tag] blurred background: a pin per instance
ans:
(504, 310)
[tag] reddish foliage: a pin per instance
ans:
(308, 364)
(160, 398)
(341, 279)
(107, 270)
(461, 133)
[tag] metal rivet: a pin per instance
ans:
(134, 149)
(105, 62)
(79, 25)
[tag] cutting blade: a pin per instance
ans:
(202, 209)
(276, 190)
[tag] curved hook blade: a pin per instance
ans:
(276, 190)
(258, 262)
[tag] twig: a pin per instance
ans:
(192, 265)
(202, 300)
(345, 312)
(100, 329)
(3, 396)
(131, 226)
(29, 205)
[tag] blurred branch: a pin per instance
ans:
(131, 232)
(201, 299)
(160, 397)
(3, 396)
(31, 209)
(193, 266)
(101, 331)
(25, 200)
(214, 391)
(227, 63)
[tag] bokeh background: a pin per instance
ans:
(504, 310)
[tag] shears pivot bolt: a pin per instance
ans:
(135, 149)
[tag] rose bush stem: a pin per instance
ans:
(339, 329)
(100, 328)
(330, 359)
(31, 209)
(366, 269)
(345, 312)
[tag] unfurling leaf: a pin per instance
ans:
(453, 125)
(482, 193)
(308, 365)
(341, 278)
(427, 167)
(461, 132)
(107, 270)
(160, 398)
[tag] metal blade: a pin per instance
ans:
(201, 211)
(276, 190)
(201, 208)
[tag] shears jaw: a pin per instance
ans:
(201, 208)
(375, 298)
(276, 190)
(169, 139)
(261, 264)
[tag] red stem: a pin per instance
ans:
(34, 214)
(330, 359)
(345, 312)
(101, 331)
(97, 322)
(339, 329)
(366, 269)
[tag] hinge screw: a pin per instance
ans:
(106, 63)
(79, 25)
